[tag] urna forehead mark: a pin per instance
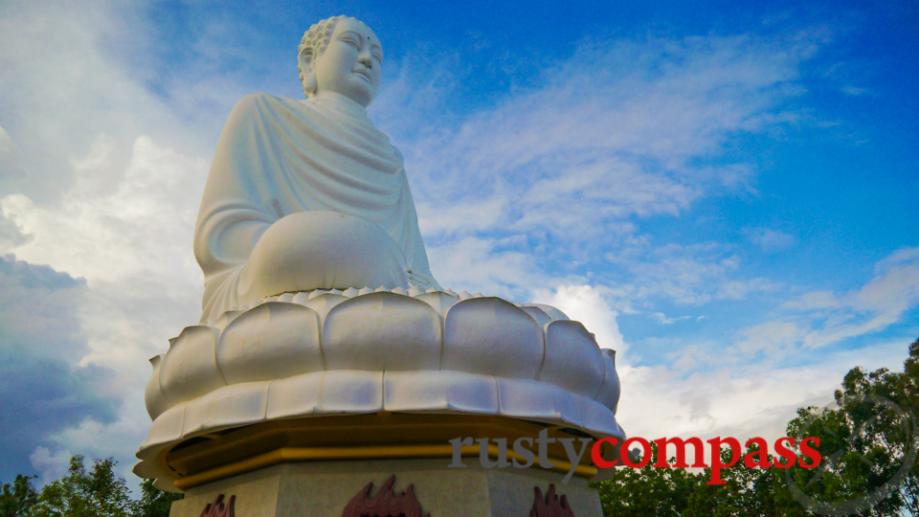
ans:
(365, 29)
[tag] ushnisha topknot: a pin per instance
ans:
(314, 42)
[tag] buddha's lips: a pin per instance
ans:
(364, 73)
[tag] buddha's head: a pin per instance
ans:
(342, 55)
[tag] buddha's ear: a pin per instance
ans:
(308, 76)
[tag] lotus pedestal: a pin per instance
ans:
(302, 400)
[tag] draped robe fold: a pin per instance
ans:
(280, 156)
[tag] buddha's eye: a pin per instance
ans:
(351, 41)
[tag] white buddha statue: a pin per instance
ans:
(307, 195)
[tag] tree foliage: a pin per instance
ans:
(153, 502)
(18, 498)
(97, 492)
(81, 493)
(868, 442)
(653, 491)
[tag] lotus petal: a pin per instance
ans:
(573, 359)
(609, 390)
(271, 341)
(153, 394)
(382, 331)
(351, 391)
(238, 404)
(190, 369)
(440, 391)
(493, 337)
(551, 311)
(294, 396)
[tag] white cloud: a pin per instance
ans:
(10, 165)
(118, 439)
(688, 358)
(71, 73)
(50, 465)
(480, 265)
(131, 242)
(704, 392)
(686, 274)
(474, 215)
(574, 165)
(610, 134)
(108, 183)
(726, 398)
(768, 239)
(117, 220)
(813, 300)
(128, 243)
(663, 319)
(820, 318)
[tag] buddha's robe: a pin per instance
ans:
(278, 158)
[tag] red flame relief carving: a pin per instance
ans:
(550, 505)
(386, 503)
(219, 509)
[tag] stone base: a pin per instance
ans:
(327, 488)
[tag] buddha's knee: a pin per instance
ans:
(322, 250)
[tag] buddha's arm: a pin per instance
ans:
(419, 270)
(232, 216)
(226, 237)
(237, 205)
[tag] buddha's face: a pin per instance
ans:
(350, 64)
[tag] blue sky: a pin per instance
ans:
(722, 191)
